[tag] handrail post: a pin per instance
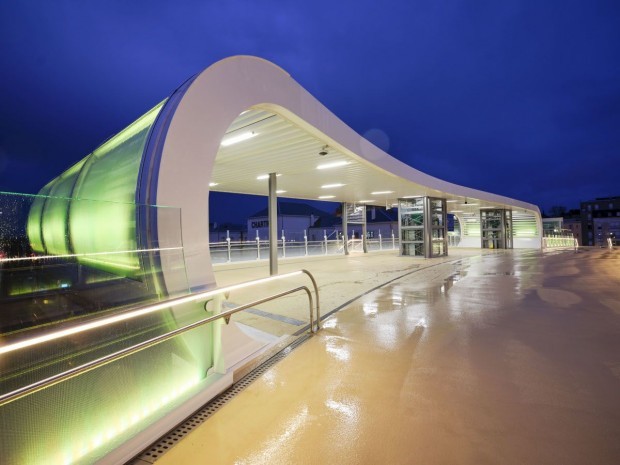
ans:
(306, 241)
(380, 241)
(325, 240)
(316, 293)
(283, 245)
(228, 245)
(257, 246)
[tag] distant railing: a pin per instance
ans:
(258, 249)
(563, 239)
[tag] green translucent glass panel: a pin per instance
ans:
(80, 420)
(33, 224)
(57, 225)
(525, 225)
(56, 211)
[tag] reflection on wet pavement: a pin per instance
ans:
(511, 358)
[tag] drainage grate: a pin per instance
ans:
(156, 450)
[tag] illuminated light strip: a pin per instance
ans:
(327, 196)
(45, 257)
(80, 451)
(136, 313)
(331, 186)
(261, 177)
(335, 164)
(236, 139)
(381, 192)
(111, 263)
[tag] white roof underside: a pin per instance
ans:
(283, 147)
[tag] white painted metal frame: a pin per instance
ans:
(215, 104)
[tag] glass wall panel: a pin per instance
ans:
(92, 231)
(438, 233)
(82, 419)
(496, 228)
(438, 249)
(55, 213)
(413, 235)
(411, 221)
(111, 173)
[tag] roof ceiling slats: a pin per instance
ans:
(281, 146)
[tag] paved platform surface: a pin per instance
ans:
(505, 358)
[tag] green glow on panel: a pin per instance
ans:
(111, 173)
(82, 419)
(56, 210)
(524, 225)
(89, 214)
(33, 224)
(91, 208)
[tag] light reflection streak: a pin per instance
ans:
(348, 410)
(136, 313)
(85, 255)
(279, 443)
(341, 353)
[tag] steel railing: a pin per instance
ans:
(226, 315)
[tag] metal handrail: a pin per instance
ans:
(316, 294)
(93, 364)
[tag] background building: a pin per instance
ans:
(600, 219)
(293, 218)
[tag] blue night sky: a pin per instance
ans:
(520, 98)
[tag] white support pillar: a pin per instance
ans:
(273, 225)
(364, 234)
(345, 231)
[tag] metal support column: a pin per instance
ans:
(428, 238)
(364, 232)
(273, 225)
(345, 231)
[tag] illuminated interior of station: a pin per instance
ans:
(129, 225)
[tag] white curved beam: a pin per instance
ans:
(213, 101)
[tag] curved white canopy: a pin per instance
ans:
(242, 95)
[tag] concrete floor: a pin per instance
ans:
(506, 358)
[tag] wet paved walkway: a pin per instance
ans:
(509, 358)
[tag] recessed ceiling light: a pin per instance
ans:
(331, 186)
(451, 201)
(326, 196)
(381, 192)
(260, 177)
(410, 196)
(237, 138)
(213, 184)
(455, 211)
(469, 204)
(280, 192)
(365, 201)
(335, 164)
